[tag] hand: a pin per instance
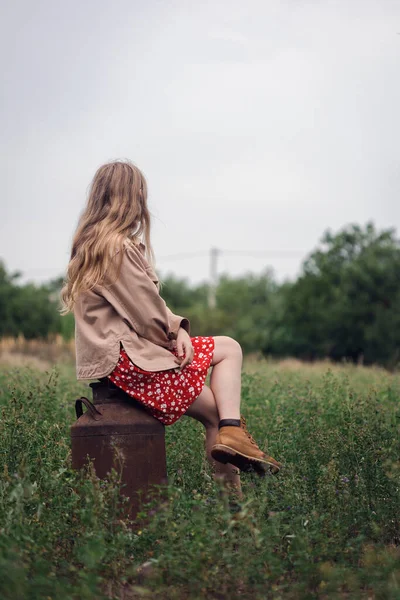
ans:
(184, 347)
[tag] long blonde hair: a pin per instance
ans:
(116, 211)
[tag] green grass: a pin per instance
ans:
(326, 527)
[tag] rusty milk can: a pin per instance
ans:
(116, 431)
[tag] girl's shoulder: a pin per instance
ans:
(129, 252)
(136, 253)
(132, 244)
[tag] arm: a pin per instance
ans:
(175, 322)
(135, 297)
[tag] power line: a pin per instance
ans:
(183, 255)
(276, 254)
(248, 253)
(213, 270)
(265, 253)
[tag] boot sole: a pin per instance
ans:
(225, 454)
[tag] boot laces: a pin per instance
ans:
(244, 427)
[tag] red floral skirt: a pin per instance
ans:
(166, 394)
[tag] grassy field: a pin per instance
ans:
(326, 527)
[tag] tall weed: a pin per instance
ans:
(327, 526)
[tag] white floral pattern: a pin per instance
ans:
(167, 400)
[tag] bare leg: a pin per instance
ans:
(226, 376)
(234, 445)
(204, 409)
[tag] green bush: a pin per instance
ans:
(327, 526)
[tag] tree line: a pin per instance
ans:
(344, 305)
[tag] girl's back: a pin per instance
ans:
(125, 331)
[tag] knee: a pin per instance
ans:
(226, 347)
(233, 347)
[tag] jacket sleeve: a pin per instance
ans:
(136, 298)
(175, 322)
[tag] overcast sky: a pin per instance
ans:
(258, 124)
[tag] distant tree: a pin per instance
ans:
(279, 335)
(247, 303)
(67, 322)
(180, 295)
(346, 303)
(26, 310)
(35, 313)
(8, 293)
(243, 307)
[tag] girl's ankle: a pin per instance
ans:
(229, 423)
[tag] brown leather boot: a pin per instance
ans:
(236, 446)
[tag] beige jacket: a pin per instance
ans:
(129, 311)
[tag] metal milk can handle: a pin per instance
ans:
(94, 413)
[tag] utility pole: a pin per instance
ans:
(213, 280)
